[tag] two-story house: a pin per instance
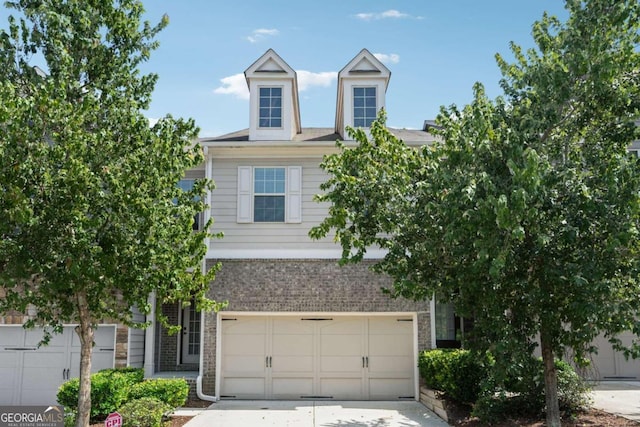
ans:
(298, 325)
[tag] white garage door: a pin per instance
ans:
(32, 375)
(287, 357)
(609, 364)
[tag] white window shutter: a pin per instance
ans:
(294, 194)
(245, 205)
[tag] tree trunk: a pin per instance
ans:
(85, 332)
(550, 382)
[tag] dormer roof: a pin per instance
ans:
(270, 66)
(364, 67)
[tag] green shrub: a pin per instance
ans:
(109, 390)
(523, 392)
(172, 391)
(457, 373)
(144, 412)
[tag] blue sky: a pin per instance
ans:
(435, 50)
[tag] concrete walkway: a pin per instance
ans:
(262, 413)
(618, 397)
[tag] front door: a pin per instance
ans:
(190, 334)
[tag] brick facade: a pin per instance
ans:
(284, 285)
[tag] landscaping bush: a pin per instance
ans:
(144, 412)
(523, 393)
(172, 391)
(457, 373)
(109, 390)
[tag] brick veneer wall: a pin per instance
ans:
(301, 285)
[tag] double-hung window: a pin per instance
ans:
(364, 106)
(270, 112)
(270, 194)
(187, 185)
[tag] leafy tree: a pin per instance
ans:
(526, 213)
(93, 222)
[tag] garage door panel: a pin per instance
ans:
(390, 345)
(103, 336)
(392, 365)
(292, 364)
(296, 326)
(9, 373)
(292, 344)
(238, 363)
(99, 360)
(611, 364)
(43, 367)
(12, 336)
(247, 388)
(390, 388)
(341, 345)
(292, 387)
(245, 344)
(34, 336)
(341, 364)
(342, 327)
(249, 325)
(341, 387)
(393, 325)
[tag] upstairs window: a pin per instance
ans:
(268, 195)
(270, 107)
(187, 185)
(364, 106)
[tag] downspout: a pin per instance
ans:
(207, 214)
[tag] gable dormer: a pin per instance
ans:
(362, 85)
(273, 99)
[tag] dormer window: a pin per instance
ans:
(270, 107)
(364, 106)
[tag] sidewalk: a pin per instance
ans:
(618, 397)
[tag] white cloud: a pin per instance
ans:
(152, 121)
(261, 34)
(388, 58)
(391, 13)
(307, 79)
(234, 85)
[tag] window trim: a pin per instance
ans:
(270, 107)
(292, 196)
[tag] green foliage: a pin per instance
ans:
(109, 390)
(525, 214)
(144, 412)
(523, 393)
(172, 391)
(93, 221)
(458, 373)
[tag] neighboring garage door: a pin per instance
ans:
(32, 375)
(612, 365)
(297, 357)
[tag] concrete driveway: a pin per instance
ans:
(259, 413)
(618, 397)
